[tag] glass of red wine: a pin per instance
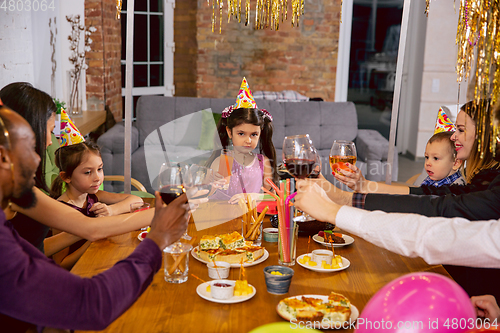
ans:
(316, 169)
(172, 182)
(300, 157)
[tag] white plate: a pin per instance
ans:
(345, 263)
(141, 233)
(348, 241)
(245, 264)
(202, 292)
(324, 325)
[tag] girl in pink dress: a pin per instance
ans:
(246, 126)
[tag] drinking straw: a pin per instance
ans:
(282, 232)
(270, 193)
(227, 164)
(273, 185)
(290, 221)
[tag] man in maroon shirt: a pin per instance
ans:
(33, 289)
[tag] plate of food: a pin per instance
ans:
(245, 291)
(231, 248)
(318, 311)
(142, 235)
(338, 264)
(335, 239)
(232, 257)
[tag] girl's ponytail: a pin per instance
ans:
(57, 187)
(266, 144)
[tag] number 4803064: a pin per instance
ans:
(27, 5)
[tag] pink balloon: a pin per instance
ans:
(418, 302)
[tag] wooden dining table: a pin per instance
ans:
(166, 307)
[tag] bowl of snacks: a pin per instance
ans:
(278, 279)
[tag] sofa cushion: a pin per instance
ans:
(209, 123)
(339, 121)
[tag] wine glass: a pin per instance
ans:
(342, 152)
(300, 158)
(299, 155)
(316, 169)
(172, 182)
(202, 178)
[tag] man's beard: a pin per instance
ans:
(26, 200)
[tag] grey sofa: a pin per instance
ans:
(168, 128)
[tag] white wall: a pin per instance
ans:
(25, 51)
(16, 51)
(439, 78)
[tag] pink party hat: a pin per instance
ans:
(443, 123)
(70, 135)
(245, 97)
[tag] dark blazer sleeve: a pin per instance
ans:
(479, 205)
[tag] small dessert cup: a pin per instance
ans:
(218, 270)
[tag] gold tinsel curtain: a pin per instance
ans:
(478, 60)
(268, 13)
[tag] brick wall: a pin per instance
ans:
(186, 48)
(104, 72)
(303, 59)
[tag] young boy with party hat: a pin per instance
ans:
(441, 164)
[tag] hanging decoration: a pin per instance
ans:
(118, 9)
(268, 13)
(478, 59)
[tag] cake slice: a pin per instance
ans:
(209, 242)
(231, 241)
(231, 256)
(209, 255)
(253, 252)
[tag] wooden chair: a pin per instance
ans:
(142, 193)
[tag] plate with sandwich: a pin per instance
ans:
(319, 311)
(330, 238)
(231, 248)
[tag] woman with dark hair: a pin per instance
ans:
(39, 110)
(33, 223)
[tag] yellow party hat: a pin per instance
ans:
(443, 123)
(245, 97)
(70, 135)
